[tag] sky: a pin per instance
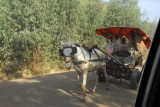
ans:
(151, 8)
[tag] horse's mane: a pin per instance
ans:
(77, 45)
(88, 49)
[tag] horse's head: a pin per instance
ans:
(68, 52)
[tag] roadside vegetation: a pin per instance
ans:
(31, 30)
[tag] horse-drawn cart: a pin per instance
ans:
(119, 61)
(122, 59)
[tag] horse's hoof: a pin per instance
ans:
(107, 88)
(93, 91)
(87, 91)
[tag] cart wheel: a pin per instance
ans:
(101, 77)
(134, 80)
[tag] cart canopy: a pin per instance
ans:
(118, 32)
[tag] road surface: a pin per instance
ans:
(62, 90)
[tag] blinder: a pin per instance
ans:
(61, 52)
(74, 51)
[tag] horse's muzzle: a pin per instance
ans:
(68, 68)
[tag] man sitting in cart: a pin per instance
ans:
(111, 45)
(123, 46)
(122, 52)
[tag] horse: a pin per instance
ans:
(84, 61)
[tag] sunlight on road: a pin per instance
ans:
(28, 81)
(64, 92)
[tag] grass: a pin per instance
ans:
(34, 69)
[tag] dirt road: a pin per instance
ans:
(62, 90)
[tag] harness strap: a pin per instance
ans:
(97, 60)
(68, 61)
(83, 54)
(80, 62)
(84, 62)
(90, 55)
(97, 54)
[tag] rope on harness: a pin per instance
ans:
(68, 61)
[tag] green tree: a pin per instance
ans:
(122, 13)
(93, 18)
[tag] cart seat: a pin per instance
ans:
(122, 53)
(123, 56)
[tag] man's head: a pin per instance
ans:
(132, 34)
(123, 40)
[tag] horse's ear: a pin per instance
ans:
(72, 42)
(63, 44)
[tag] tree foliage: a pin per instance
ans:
(123, 13)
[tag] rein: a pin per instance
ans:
(83, 54)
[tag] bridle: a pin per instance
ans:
(64, 57)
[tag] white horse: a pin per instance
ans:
(84, 62)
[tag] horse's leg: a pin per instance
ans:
(96, 81)
(83, 86)
(106, 76)
(79, 77)
(79, 72)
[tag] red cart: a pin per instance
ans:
(122, 59)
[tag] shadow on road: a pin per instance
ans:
(62, 90)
